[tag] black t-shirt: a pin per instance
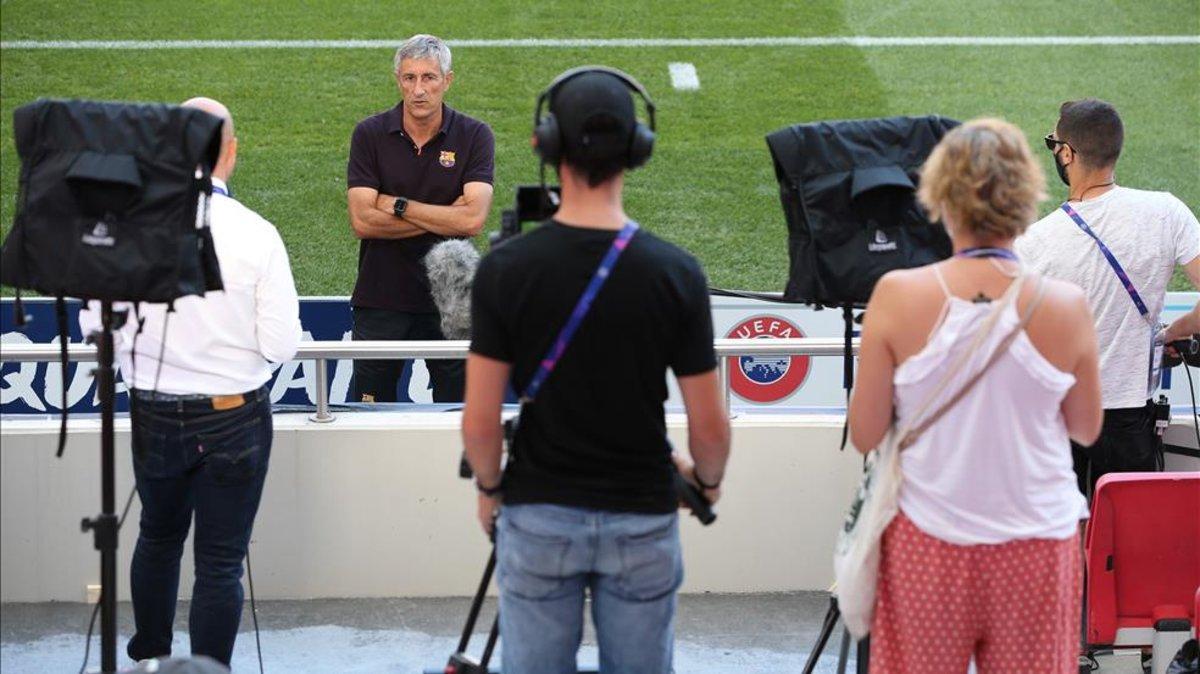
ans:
(384, 158)
(595, 437)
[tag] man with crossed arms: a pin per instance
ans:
(418, 174)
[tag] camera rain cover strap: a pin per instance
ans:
(107, 201)
(848, 190)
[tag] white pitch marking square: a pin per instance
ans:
(683, 76)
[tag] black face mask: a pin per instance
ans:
(1062, 170)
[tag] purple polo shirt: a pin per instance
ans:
(384, 158)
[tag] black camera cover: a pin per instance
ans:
(107, 201)
(849, 195)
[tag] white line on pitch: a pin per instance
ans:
(849, 40)
(683, 76)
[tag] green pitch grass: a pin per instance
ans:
(710, 186)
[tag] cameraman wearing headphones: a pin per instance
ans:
(1121, 246)
(588, 501)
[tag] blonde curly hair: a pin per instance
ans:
(983, 175)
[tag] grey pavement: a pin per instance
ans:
(714, 633)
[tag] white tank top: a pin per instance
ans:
(997, 466)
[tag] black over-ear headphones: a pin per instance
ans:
(548, 134)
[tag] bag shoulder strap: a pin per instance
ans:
(915, 432)
(581, 309)
(983, 331)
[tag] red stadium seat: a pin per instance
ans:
(1143, 556)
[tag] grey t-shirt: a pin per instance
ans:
(1149, 233)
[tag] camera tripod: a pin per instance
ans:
(104, 526)
(862, 652)
(460, 662)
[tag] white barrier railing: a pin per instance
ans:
(321, 352)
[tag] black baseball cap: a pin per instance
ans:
(595, 115)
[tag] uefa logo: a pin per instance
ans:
(766, 379)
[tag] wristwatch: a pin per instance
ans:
(400, 206)
(488, 491)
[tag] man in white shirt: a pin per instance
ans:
(201, 419)
(1147, 234)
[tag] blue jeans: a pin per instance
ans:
(632, 565)
(188, 458)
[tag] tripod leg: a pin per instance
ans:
(831, 618)
(491, 642)
(104, 526)
(844, 652)
(477, 602)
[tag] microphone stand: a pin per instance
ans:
(104, 525)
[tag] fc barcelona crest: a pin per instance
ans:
(446, 158)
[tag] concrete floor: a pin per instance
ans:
(715, 633)
(726, 634)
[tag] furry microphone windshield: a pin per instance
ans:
(451, 268)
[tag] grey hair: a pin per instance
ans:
(423, 47)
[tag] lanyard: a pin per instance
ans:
(1156, 337)
(1112, 262)
(987, 251)
(581, 309)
